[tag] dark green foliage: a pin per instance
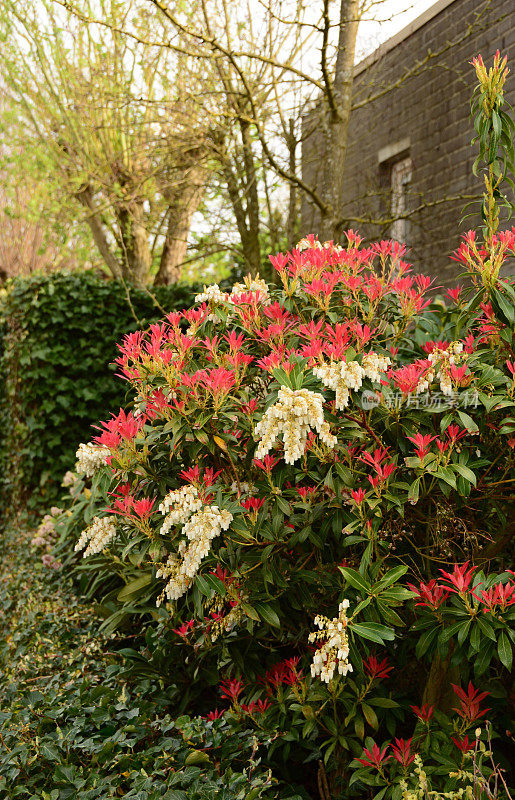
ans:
(73, 725)
(58, 336)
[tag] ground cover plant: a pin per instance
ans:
(305, 513)
(74, 725)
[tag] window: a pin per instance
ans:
(400, 189)
(395, 171)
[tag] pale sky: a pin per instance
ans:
(391, 17)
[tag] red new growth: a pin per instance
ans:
(500, 595)
(422, 443)
(401, 752)
(216, 714)
(375, 758)
(459, 579)
(231, 690)
(463, 744)
(184, 629)
(469, 702)
(377, 669)
(430, 594)
(424, 713)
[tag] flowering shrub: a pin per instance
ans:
(330, 458)
(312, 489)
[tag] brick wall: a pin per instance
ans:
(431, 109)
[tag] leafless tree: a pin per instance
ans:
(110, 125)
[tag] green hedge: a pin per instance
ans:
(58, 336)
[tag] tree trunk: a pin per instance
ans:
(134, 241)
(252, 252)
(181, 212)
(337, 119)
(249, 235)
(292, 221)
(251, 243)
(438, 690)
(85, 197)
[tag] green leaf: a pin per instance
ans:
(453, 629)
(447, 475)
(505, 308)
(345, 474)
(373, 631)
(396, 594)
(283, 505)
(486, 628)
(370, 716)
(356, 579)
(463, 631)
(467, 421)
(364, 603)
(203, 585)
(504, 651)
(380, 794)
(488, 402)
(497, 123)
(383, 702)
(465, 472)
(268, 614)
(250, 611)
(392, 576)
(414, 489)
(359, 727)
(216, 584)
(49, 752)
(388, 614)
(475, 639)
(483, 659)
(196, 757)
(425, 642)
(135, 587)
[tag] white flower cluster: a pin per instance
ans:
(334, 653)
(375, 365)
(425, 382)
(213, 293)
(90, 457)
(98, 534)
(245, 488)
(343, 377)
(305, 244)
(183, 502)
(69, 479)
(255, 285)
(452, 354)
(294, 414)
(180, 569)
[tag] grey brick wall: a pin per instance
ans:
(432, 109)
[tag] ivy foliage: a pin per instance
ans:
(58, 336)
